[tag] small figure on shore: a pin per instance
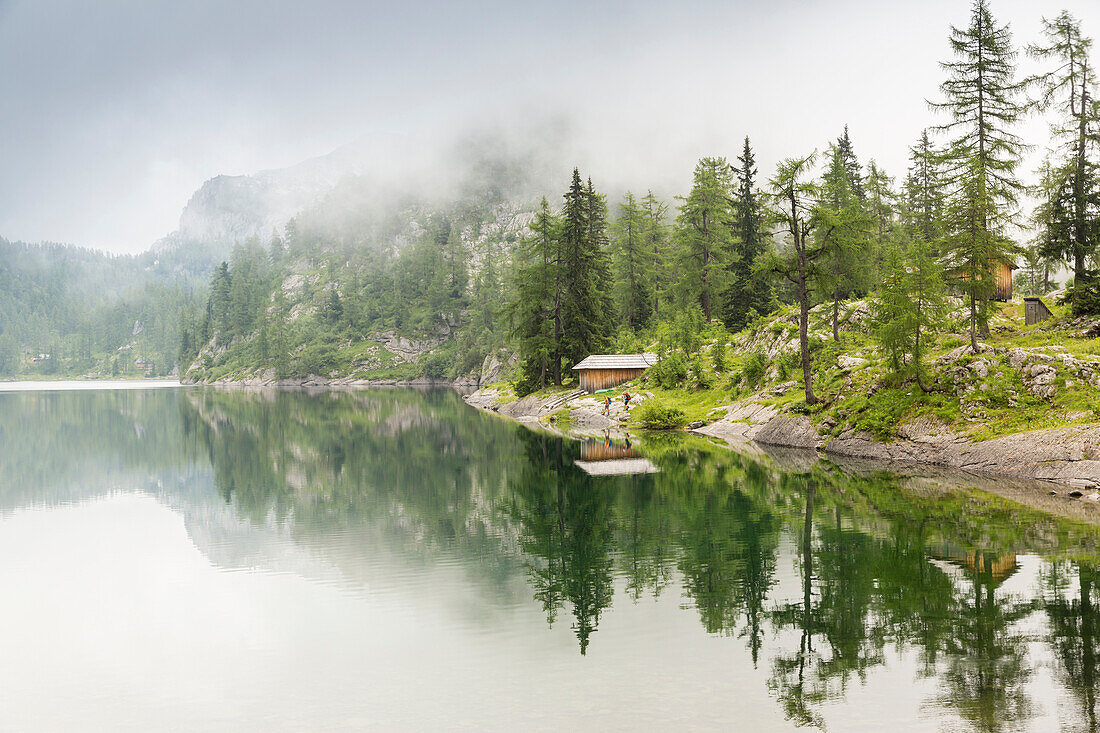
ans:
(606, 405)
(626, 399)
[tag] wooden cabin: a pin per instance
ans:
(602, 371)
(1002, 276)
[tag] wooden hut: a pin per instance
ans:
(601, 371)
(1035, 310)
(1002, 279)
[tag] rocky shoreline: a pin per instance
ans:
(1069, 456)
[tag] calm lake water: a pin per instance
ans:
(200, 559)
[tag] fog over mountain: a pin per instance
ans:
(114, 116)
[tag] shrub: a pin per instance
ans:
(670, 371)
(718, 355)
(654, 415)
(755, 367)
(788, 363)
(703, 378)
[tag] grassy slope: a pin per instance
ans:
(761, 365)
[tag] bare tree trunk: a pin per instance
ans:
(836, 316)
(973, 319)
(804, 337)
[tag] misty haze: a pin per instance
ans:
(634, 366)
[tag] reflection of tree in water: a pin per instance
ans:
(1075, 633)
(871, 576)
(566, 532)
(985, 656)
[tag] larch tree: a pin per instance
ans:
(842, 228)
(982, 97)
(793, 196)
(654, 212)
(633, 265)
(704, 233)
(1074, 179)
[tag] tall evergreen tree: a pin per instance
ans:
(633, 265)
(1071, 87)
(657, 243)
(924, 190)
(536, 311)
(981, 95)
(842, 229)
(748, 290)
(880, 203)
(793, 197)
(704, 233)
(851, 164)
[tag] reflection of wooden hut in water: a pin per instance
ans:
(997, 568)
(605, 458)
(601, 371)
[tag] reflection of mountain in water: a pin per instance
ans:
(819, 573)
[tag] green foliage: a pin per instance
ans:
(704, 234)
(754, 369)
(670, 371)
(652, 414)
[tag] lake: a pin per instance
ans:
(208, 559)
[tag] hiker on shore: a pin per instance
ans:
(626, 399)
(606, 405)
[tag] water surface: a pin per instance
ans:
(202, 559)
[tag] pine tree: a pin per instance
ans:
(218, 304)
(981, 157)
(703, 233)
(586, 311)
(1075, 179)
(633, 265)
(748, 290)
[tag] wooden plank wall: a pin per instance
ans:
(593, 379)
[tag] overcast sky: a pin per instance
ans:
(113, 113)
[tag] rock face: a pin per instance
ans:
(1066, 455)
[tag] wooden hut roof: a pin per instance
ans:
(617, 361)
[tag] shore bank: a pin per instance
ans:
(1069, 456)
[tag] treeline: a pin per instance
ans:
(296, 304)
(823, 229)
(561, 282)
(66, 310)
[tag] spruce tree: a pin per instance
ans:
(748, 291)
(851, 164)
(535, 312)
(924, 190)
(981, 95)
(910, 306)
